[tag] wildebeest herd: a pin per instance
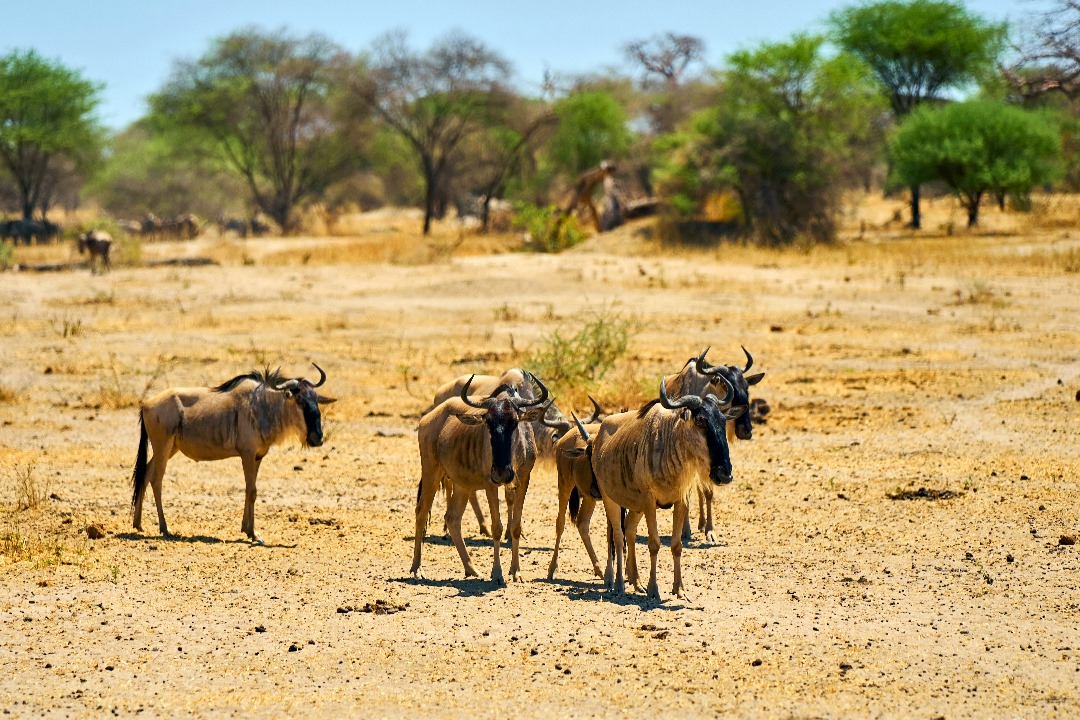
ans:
(486, 433)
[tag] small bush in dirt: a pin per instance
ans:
(586, 356)
(548, 230)
(7, 251)
(30, 492)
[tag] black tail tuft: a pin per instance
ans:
(575, 503)
(138, 478)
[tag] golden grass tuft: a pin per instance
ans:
(30, 491)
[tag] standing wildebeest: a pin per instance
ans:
(98, 243)
(468, 451)
(545, 431)
(243, 417)
(578, 489)
(698, 377)
(651, 459)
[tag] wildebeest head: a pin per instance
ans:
(709, 417)
(736, 378)
(502, 412)
(558, 423)
(300, 396)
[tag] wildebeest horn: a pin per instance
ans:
(543, 392)
(553, 424)
(749, 358)
(692, 402)
(597, 410)
(580, 428)
(730, 391)
(465, 394)
(322, 376)
(703, 367)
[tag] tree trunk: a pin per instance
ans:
(973, 209)
(916, 219)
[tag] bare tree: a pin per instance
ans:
(666, 56)
(1050, 60)
(436, 100)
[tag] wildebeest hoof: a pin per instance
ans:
(551, 571)
(654, 592)
(470, 572)
(256, 540)
(710, 536)
(596, 571)
(497, 578)
(484, 532)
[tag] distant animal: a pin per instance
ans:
(698, 377)
(244, 417)
(467, 446)
(97, 243)
(652, 459)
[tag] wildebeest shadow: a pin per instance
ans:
(206, 539)
(466, 587)
(596, 592)
(476, 542)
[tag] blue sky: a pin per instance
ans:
(130, 45)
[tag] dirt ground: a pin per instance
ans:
(897, 542)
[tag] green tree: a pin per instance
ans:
(918, 49)
(977, 147)
(592, 127)
(780, 138)
(436, 100)
(47, 126)
(275, 108)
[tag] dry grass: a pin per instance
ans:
(30, 490)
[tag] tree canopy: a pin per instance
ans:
(977, 147)
(47, 125)
(273, 106)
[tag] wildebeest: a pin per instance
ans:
(98, 243)
(545, 430)
(28, 231)
(578, 489)
(698, 377)
(243, 417)
(652, 459)
(465, 451)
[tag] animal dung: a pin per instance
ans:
(95, 532)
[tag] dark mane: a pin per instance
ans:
(264, 377)
(646, 407)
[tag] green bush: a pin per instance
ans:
(7, 250)
(587, 355)
(548, 231)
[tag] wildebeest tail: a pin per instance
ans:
(575, 503)
(138, 478)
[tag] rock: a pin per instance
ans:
(95, 532)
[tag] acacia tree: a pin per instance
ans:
(48, 130)
(272, 106)
(592, 127)
(435, 100)
(779, 138)
(976, 148)
(664, 59)
(918, 49)
(1050, 60)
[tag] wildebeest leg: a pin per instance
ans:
(509, 491)
(429, 486)
(654, 550)
(455, 508)
(474, 502)
(630, 533)
(687, 535)
(609, 570)
(136, 511)
(251, 474)
(161, 458)
(520, 492)
(496, 533)
(679, 512)
(616, 547)
(707, 493)
(560, 523)
(588, 504)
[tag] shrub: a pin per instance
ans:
(548, 230)
(586, 356)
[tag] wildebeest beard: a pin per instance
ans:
(713, 423)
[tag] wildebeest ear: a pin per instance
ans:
(323, 400)
(685, 414)
(734, 412)
(470, 419)
(754, 379)
(574, 452)
(533, 414)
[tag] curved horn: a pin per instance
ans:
(730, 390)
(543, 392)
(465, 394)
(322, 376)
(749, 358)
(597, 410)
(580, 428)
(703, 367)
(686, 401)
(553, 424)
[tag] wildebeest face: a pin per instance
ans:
(712, 421)
(502, 422)
(740, 383)
(308, 400)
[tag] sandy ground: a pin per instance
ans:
(945, 365)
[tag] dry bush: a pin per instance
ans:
(30, 492)
(9, 394)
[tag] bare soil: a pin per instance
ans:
(895, 544)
